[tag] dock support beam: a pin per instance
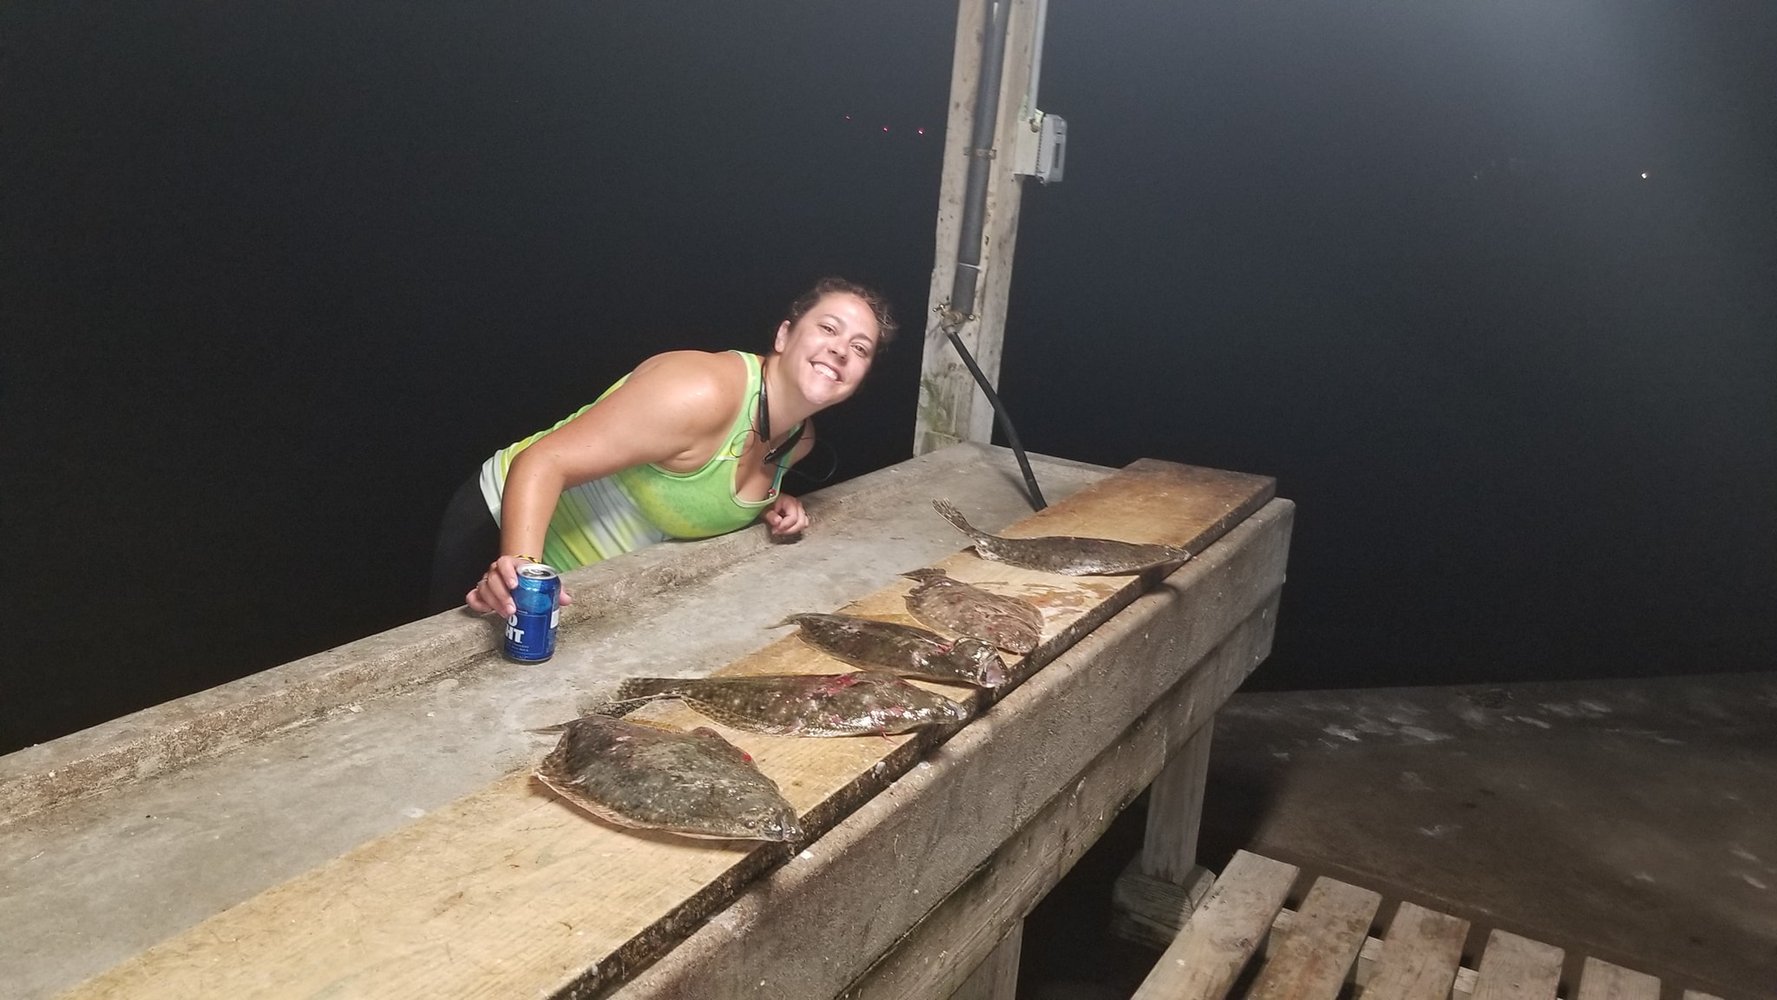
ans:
(1156, 894)
(951, 407)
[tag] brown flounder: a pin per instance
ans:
(849, 704)
(943, 601)
(696, 784)
(1073, 556)
(906, 650)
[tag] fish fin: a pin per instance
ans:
(642, 687)
(926, 574)
(610, 709)
(793, 619)
(623, 706)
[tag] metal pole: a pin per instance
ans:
(987, 103)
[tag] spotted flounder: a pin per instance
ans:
(905, 650)
(943, 601)
(849, 704)
(1065, 554)
(696, 784)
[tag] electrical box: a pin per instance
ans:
(1042, 148)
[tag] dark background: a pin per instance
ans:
(276, 276)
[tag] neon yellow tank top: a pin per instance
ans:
(638, 506)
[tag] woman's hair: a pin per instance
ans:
(879, 307)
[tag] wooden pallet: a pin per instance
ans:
(1244, 942)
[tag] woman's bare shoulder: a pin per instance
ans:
(691, 378)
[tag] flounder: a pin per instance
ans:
(849, 704)
(696, 784)
(943, 601)
(905, 650)
(1067, 554)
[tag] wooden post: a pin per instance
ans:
(1175, 811)
(951, 407)
(1157, 892)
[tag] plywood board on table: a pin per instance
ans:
(509, 890)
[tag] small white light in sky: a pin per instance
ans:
(885, 128)
(1644, 175)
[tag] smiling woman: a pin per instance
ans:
(688, 445)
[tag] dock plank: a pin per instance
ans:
(1600, 980)
(510, 891)
(1420, 954)
(1314, 959)
(1219, 939)
(1517, 968)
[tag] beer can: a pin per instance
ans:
(530, 629)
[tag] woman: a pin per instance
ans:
(690, 444)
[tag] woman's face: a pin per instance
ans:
(829, 349)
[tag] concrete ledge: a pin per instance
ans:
(166, 737)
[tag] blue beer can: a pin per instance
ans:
(530, 630)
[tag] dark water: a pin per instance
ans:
(278, 275)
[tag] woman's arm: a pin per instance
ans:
(672, 410)
(786, 515)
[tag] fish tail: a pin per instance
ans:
(795, 619)
(955, 517)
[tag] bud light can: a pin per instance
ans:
(530, 631)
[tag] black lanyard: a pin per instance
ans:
(765, 424)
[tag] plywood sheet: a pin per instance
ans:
(509, 891)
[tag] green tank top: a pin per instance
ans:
(645, 503)
(703, 502)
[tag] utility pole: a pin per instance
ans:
(978, 216)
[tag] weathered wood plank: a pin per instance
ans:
(1600, 980)
(934, 954)
(1314, 959)
(1207, 956)
(1419, 958)
(1517, 968)
(509, 889)
(1699, 995)
(996, 978)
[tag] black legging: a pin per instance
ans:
(468, 540)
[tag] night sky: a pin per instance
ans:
(1491, 289)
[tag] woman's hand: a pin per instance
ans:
(494, 592)
(785, 516)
